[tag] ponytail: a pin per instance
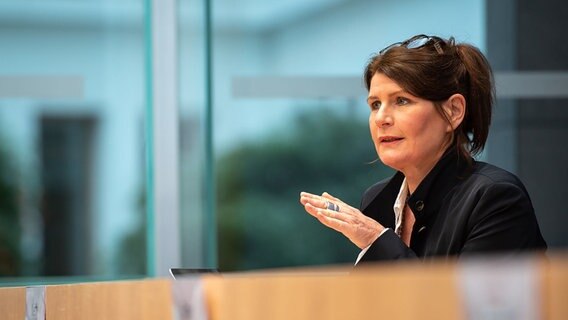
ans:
(477, 86)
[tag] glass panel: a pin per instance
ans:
(285, 138)
(72, 163)
(193, 132)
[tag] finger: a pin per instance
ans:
(329, 213)
(331, 222)
(318, 202)
(306, 197)
(312, 210)
(330, 197)
(332, 214)
(319, 212)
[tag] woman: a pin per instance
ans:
(430, 105)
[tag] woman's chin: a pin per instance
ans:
(391, 161)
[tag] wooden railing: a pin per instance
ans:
(496, 289)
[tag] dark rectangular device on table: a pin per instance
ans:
(180, 272)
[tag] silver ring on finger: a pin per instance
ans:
(331, 206)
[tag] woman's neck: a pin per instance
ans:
(414, 179)
(414, 175)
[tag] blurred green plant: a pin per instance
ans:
(261, 222)
(130, 256)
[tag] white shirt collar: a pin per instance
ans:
(398, 208)
(399, 204)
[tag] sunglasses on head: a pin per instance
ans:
(416, 42)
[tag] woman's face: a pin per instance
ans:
(408, 133)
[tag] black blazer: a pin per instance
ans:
(459, 210)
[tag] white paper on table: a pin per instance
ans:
(500, 289)
(35, 303)
(189, 300)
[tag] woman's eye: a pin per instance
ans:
(402, 101)
(375, 105)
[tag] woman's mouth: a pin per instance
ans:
(389, 139)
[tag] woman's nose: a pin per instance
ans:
(383, 117)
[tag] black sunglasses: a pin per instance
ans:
(416, 42)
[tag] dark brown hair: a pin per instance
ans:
(436, 69)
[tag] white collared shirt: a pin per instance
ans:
(398, 208)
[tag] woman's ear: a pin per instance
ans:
(454, 108)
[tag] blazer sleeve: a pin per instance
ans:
(387, 247)
(503, 220)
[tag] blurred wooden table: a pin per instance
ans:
(389, 291)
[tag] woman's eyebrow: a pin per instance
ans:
(370, 98)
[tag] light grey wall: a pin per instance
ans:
(334, 42)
